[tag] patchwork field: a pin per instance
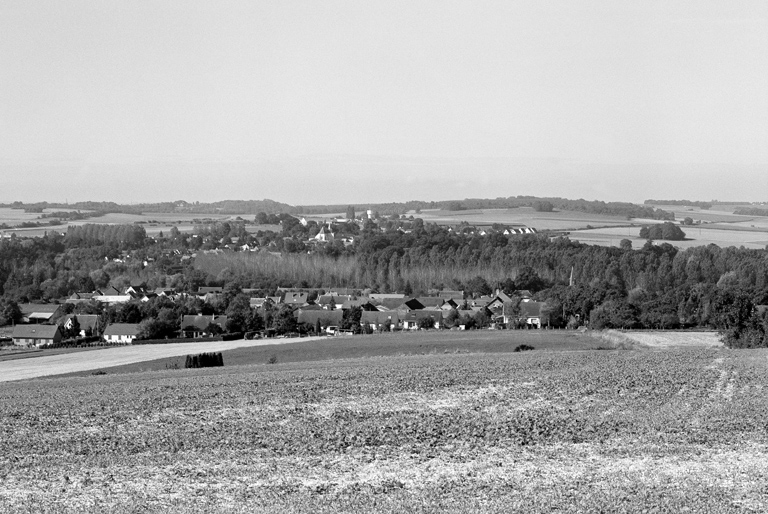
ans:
(153, 222)
(590, 431)
(695, 236)
(560, 220)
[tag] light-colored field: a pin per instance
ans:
(679, 430)
(118, 356)
(153, 222)
(560, 220)
(695, 236)
(659, 339)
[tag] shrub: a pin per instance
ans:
(204, 360)
(523, 348)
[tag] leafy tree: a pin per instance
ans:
(351, 318)
(284, 320)
(426, 323)
(10, 312)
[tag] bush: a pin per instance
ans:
(523, 348)
(204, 360)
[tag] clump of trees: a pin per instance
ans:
(204, 360)
(665, 231)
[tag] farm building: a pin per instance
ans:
(326, 317)
(530, 312)
(124, 333)
(37, 335)
(295, 298)
(378, 320)
(200, 326)
(87, 323)
(412, 320)
(39, 312)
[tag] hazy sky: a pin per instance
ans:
(334, 101)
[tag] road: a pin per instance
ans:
(47, 365)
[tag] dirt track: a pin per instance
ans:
(34, 367)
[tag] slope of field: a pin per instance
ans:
(46, 365)
(390, 344)
(658, 339)
(600, 431)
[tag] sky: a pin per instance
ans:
(310, 102)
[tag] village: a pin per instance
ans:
(338, 311)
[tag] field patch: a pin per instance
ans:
(393, 344)
(593, 431)
(60, 363)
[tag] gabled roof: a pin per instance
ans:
(326, 317)
(419, 315)
(411, 304)
(387, 303)
(385, 296)
(85, 321)
(206, 290)
(108, 291)
(380, 317)
(201, 322)
(530, 309)
(431, 301)
(30, 308)
(336, 299)
(295, 298)
(122, 329)
(35, 331)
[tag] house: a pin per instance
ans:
(363, 302)
(530, 312)
(202, 291)
(79, 298)
(36, 335)
(326, 317)
(121, 333)
(411, 304)
(412, 320)
(257, 303)
(330, 302)
(324, 236)
(136, 291)
(295, 298)
(431, 301)
(199, 326)
(385, 296)
(110, 295)
(39, 312)
(387, 304)
(87, 323)
(379, 320)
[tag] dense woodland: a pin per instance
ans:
(656, 286)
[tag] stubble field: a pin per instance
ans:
(675, 430)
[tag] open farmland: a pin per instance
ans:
(696, 235)
(527, 216)
(594, 431)
(391, 344)
(153, 222)
(54, 362)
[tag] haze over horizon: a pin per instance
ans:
(350, 102)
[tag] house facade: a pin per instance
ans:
(36, 335)
(121, 333)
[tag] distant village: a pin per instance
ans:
(315, 311)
